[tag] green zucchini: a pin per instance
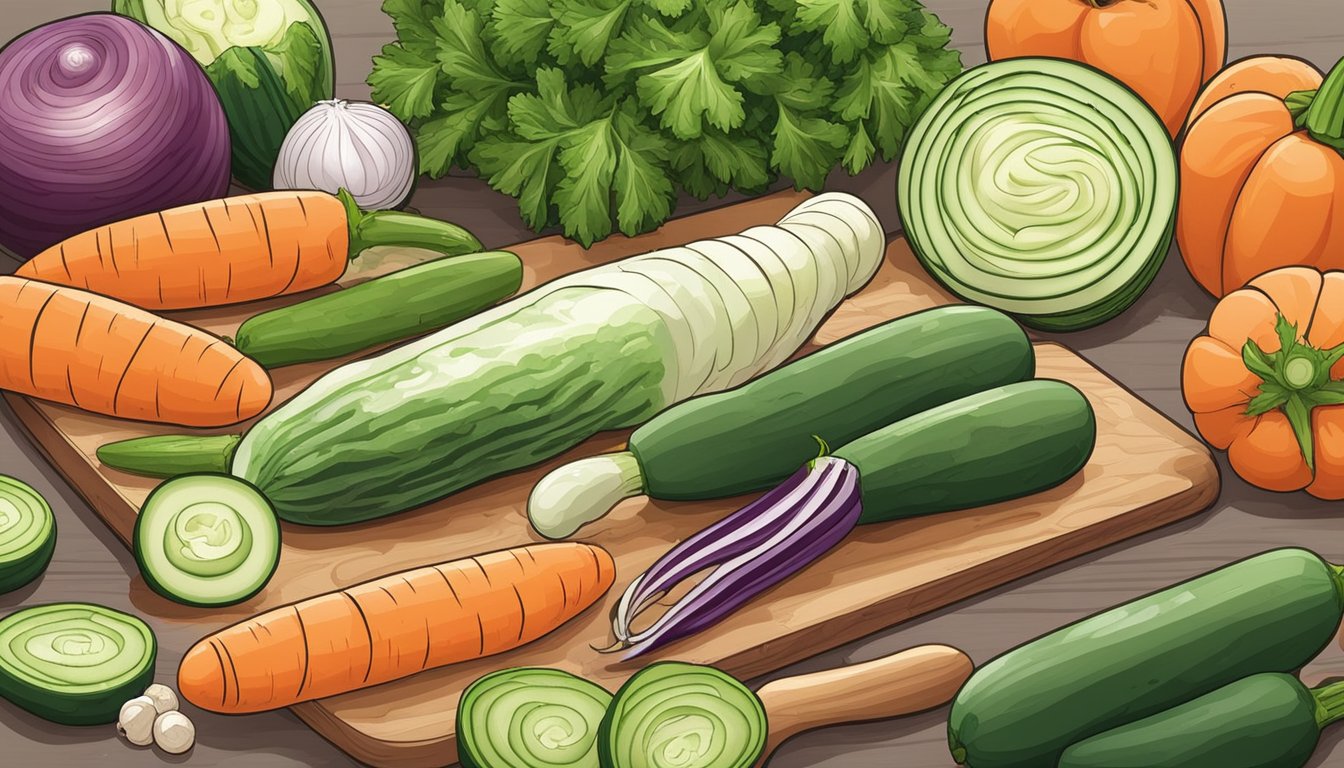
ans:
(530, 718)
(1270, 613)
(1268, 720)
(752, 437)
(677, 715)
(206, 540)
(27, 534)
(74, 663)
(399, 305)
(1000, 444)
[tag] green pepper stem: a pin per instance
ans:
(1329, 703)
(1324, 119)
(408, 230)
(1295, 379)
(1299, 371)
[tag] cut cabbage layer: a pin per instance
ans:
(1041, 187)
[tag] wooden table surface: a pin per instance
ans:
(1142, 349)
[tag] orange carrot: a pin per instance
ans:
(394, 626)
(95, 353)
(233, 250)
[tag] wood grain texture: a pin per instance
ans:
(1145, 472)
(1142, 349)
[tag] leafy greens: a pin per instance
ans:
(595, 113)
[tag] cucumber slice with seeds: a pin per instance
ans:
(74, 663)
(207, 539)
(27, 534)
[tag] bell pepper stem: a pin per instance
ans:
(1293, 380)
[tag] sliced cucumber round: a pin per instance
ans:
(530, 718)
(74, 663)
(27, 534)
(207, 539)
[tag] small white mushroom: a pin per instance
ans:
(136, 721)
(174, 733)
(163, 697)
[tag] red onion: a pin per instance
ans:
(101, 119)
(747, 552)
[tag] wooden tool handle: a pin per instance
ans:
(900, 684)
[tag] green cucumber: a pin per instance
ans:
(1268, 720)
(399, 305)
(1270, 613)
(752, 437)
(206, 540)
(530, 718)
(1000, 444)
(74, 663)
(27, 534)
(169, 455)
(677, 715)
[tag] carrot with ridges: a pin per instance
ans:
(394, 626)
(234, 249)
(78, 348)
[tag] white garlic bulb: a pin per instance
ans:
(174, 733)
(163, 697)
(136, 721)
(351, 145)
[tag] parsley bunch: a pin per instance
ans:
(594, 112)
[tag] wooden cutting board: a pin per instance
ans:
(1145, 472)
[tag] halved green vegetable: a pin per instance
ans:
(530, 718)
(27, 534)
(74, 663)
(677, 715)
(1042, 187)
(207, 539)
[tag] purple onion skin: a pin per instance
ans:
(102, 119)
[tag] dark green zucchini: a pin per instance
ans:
(754, 436)
(1269, 720)
(1000, 444)
(396, 306)
(1270, 613)
(749, 438)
